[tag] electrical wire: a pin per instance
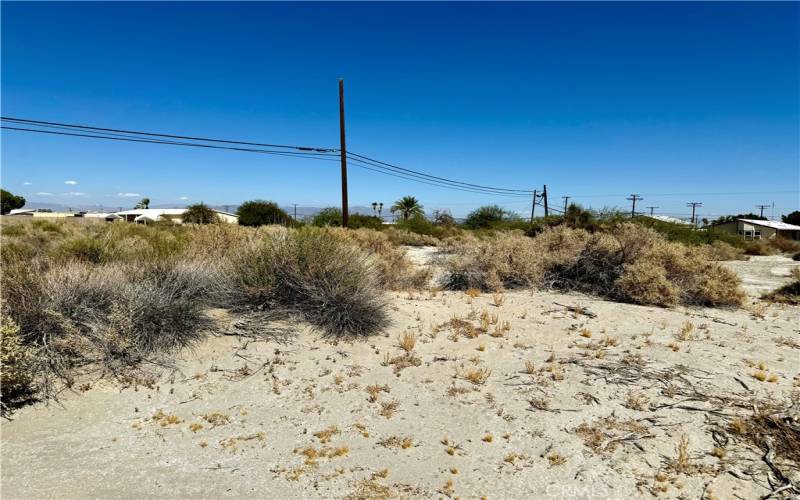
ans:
(293, 154)
(415, 172)
(170, 136)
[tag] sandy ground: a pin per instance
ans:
(762, 274)
(293, 418)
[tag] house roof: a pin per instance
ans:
(667, 218)
(781, 226)
(154, 213)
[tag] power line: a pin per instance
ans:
(426, 180)
(367, 166)
(170, 136)
(467, 184)
(310, 155)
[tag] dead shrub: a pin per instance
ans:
(629, 263)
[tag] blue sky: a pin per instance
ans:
(594, 100)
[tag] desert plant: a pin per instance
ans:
(485, 217)
(16, 358)
(331, 284)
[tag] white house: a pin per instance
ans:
(147, 215)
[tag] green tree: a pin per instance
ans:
(731, 218)
(9, 202)
(408, 206)
(486, 217)
(330, 216)
(260, 213)
(144, 203)
(443, 218)
(792, 218)
(199, 214)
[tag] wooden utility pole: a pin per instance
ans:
(343, 150)
(634, 198)
(694, 205)
(533, 205)
(544, 197)
(566, 200)
(295, 210)
(651, 210)
(762, 207)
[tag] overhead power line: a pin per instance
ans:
(169, 136)
(526, 192)
(117, 137)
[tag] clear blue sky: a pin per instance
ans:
(595, 100)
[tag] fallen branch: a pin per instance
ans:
(577, 309)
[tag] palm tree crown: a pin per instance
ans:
(408, 206)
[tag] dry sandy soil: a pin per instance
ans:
(561, 405)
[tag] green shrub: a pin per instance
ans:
(359, 221)
(486, 217)
(199, 213)
(261, 213)
(329, 216)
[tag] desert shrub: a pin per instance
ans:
(260, 213)
(759, 247)
(199, 213)
(46, 225)
(787, 294)
(719, 250)
(16, 359)
(395, 271)
(796, 257)
(404, 237)
(359, 221)
(113, 314)
(628, 263)
(785, 245)
(310, 273)
(84, 248)
(12, 230)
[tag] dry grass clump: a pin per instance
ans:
(407, 341)
(787, 294)
(629, 263)
(313, 274)
(772, 428)
(476, 376)
(16, 359)
(395, 271)
(606, 434)
(403, 442)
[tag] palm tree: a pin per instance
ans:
(408, 206)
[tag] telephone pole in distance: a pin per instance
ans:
(566, 200)
(762, 207)
(634, 198)
(694, 205)
(533, 205)
(651, 210)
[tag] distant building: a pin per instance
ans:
(671, 220)
(40, 212)
(750, 229)
(149, 215)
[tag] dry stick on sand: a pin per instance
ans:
(577, 309)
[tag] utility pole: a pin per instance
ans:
(694, 205)
(634, 198)
(295, 210)
(533, 205)
(343, 151)
(544, 196)
(762, 207)
(651, 210)
(566, 199)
